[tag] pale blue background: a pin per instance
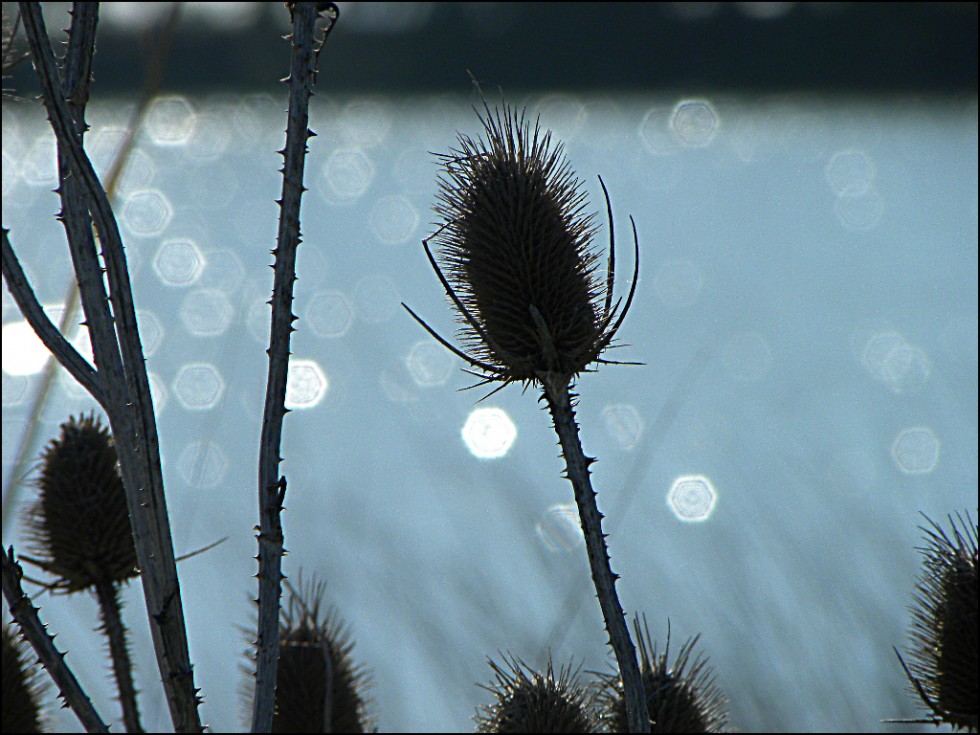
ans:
(808, 292)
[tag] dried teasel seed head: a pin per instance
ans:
(516, 256)
(319, 688)
(680, 698)
(22, 687)
(528, 701)
(79, 528)
(943, 653)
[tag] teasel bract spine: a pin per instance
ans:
(516, 257)
(943, 667)
(79, 531)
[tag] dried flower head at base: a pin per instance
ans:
(319, 688)
(529, 701)
(682, 697)
(23, 686)
(79, 528)
(942, 671)
(516, 257)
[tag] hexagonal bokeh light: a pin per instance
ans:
(178, 262)
(306, 384)
(694, 123)
(199, 386)
(692, 498)
(489, 433)
(916, 450)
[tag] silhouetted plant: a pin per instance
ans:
(529, 701)
(79, 531)
(942, 671)
(319, 687)
(22, 687)
(517, 245)
(681, 697)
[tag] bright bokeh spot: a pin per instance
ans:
(147, 213)
(694, 123)
(23, 352)
(393, 219)
(206, 312)
(560, 529)
(329, 313)
(429, 363)
(170, 121)
(348, 173)
(623, 423)
(860, 213)
(199, 386)
(850, 172)
(306, 384)
(655, 133)
(692, 498)
(916, 450)
(902, 367)
(365, 123)
(489, 433)
(202, 464)
(178, 262)
(151, 330)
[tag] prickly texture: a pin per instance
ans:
(680, 698)
(319, 687)
(79, 528)
(516, 239)
(21, 686)
(529, 701)
(943, 653)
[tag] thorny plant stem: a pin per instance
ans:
(272, 487)
(119, 360)
(559, 398)
(110, 610)
(50, 657)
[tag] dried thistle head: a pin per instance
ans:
(319, 688)
(943, 655)
(79, 528)
(516, 255)
(22, 685)
(680, 698)
(528, 701)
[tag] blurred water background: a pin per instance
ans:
(806, 313)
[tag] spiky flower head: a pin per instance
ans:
(516, 255)
(79, 528)
(319, 688)
(943, 654)
(529, 701)
(680, 698)
(22, 686)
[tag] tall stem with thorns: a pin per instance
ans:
(560, 403)
(523, 275)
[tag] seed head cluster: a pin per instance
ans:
(682, 697)
(943, 668)
(528, 701)
(515, 254)
(79, 528)
(319, 688)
